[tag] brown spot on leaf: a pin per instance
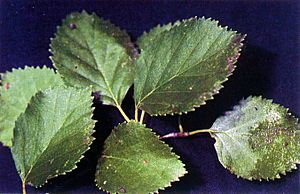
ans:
(122, 190)
(236, 42)
(6, 86)
(231, 61)
(237, 39)
(174, 108)
(269, 140)
(145, 162)
(72, 26)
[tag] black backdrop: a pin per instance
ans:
(269, 66)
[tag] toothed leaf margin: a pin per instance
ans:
(181, 66)
(88, 50)
(52, 134)
(136, 161)
(258, 140)
(16, 90)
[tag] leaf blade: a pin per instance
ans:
(258, 140)
(144, 40)
(14, 97)
(184, 65)
(136, 161)
(88, 50)
(52, 134)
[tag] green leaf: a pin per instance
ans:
(136, 161)
(88, 50)
(146, 38)
(182, 66)
(52, 134)
(257, 140)
(17, 88)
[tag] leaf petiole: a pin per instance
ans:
(142, 117)
(203, 131)
(187, 134)
(136, 114)
(123, 113)
(23, 187)
(179, 125)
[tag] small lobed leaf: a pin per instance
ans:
(183, 65)
(16, 90)
(52, 134)
(88, 50)
(136, 161)
(258, 140)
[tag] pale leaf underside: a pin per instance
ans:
(52, 134)
(182, 66)
(258, 140)
(136, 161)
(17, 88)
(88, 50)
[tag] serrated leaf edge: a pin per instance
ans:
(157, 136)
(82, 156)
(131, 51)
(233, 59)
(25, 68)
(128, 47)
(277, 176)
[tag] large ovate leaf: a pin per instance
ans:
(16, 90)
(258, 139)
(52, 134)
(182, 66)
(88, 50)
(136, 161)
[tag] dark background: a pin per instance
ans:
(269, 66)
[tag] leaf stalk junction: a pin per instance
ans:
(179, 134)
(24, 187)
(187, 134)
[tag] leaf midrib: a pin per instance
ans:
(59, 129)
(249, 123)
(96, 62)
(187, 69)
